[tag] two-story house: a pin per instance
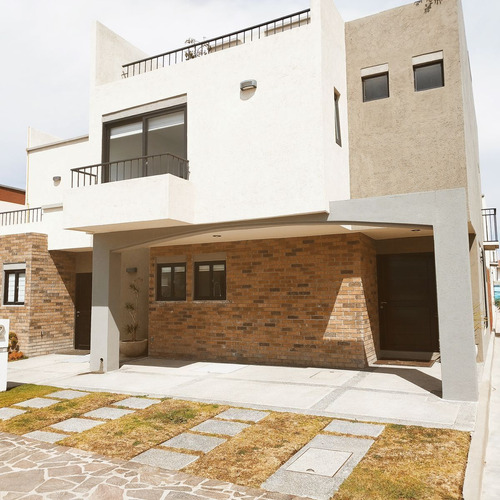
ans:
(304, 192)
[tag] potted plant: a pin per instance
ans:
(131, 347)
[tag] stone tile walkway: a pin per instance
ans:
(37, 471)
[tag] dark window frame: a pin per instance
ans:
(16, 273)
(425, 65)
(366, 78)
(210, 263)
(172, 266)
(338, 134)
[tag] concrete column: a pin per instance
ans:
(105, 333)
(455, 304)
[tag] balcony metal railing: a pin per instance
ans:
(26, 216)
(490, 224)
(144, 166)
(223, 42)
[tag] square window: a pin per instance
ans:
(171, 282)
(14, 286)
(428, 76)
(375, 87)
(210, 280)
(338, 137)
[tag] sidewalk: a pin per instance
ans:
(491, 475)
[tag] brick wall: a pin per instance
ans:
(49, 297)
(300, 301)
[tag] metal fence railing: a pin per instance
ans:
(25, 216)
(490, 224)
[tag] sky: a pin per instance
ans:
(45, 60)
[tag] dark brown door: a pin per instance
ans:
(83, 308)
(408, 302)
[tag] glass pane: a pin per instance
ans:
(219, 282)
(125, 142)
(203, 282)
(21, 287)
(376, 87)
(180, 283)
(166, 283)
(166, 134)
(429, 77)
(11, 287)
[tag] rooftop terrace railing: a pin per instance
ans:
(25, 216)
(490, 224)
(134, 168)
(223, 42)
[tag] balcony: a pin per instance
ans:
(217, 44)
(490, 235)
(134, 168)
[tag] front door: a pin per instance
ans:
(408, 302)
(83, 308)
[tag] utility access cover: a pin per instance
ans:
(320, 462)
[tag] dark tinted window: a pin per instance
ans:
(210, 281)
(171, 284)
(429, 76)
(375, 87)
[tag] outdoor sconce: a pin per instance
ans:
(56, 179)
(248, 84)
(131, 270)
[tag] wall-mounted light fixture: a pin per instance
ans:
(248, 84)
(131, 270)
(56, 179)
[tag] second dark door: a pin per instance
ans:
(83, 308)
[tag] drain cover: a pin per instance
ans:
(320, 462)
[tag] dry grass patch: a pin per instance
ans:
(132, 434)
(36, 419)
(258, 451)
(23, 393)
(410, 463)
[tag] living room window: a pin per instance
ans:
(14, 284)
(428, 76)
(171, 282)
(375, 87)
(210, 280)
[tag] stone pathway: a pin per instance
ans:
(315, 471)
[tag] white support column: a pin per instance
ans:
(105, 333)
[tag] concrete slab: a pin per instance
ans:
(245, 415)
(108, 413)
(313, 485)
(354, 428)
(217, 368)
(194, 442)
(401, 406)
(76, 425)
(137, 403)
(46, 437)
(68, 394)
(403, 379)
(320, 462)
(37, 403)
(164, 459)
(8, 413)
(218, 427)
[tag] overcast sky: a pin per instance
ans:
(45, 58)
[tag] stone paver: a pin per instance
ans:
(8, 413)
(164, 459)
(68, 394)
(137, 403)
(76, 425)
(318, 484)
(245, 415)
(108, 413)
(37, 403)
(46, 437)
(354, 428)
(219, 427)
(194, 442)
(83, 475)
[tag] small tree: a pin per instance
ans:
(132, 310)
(428, 3)
(200, 50)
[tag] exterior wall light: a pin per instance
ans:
(131, 270)
(216, 236)
(56, 179)
(248, 84)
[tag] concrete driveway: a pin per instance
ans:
(405, 395)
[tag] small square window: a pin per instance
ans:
(338, 137)
(14, 287)
(375, 87)
(210, 280)
(171, 282)
(428, 76)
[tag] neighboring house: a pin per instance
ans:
(309, 196)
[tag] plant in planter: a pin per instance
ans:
(13, 351)
(132, 347)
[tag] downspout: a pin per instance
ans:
(27, 168)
